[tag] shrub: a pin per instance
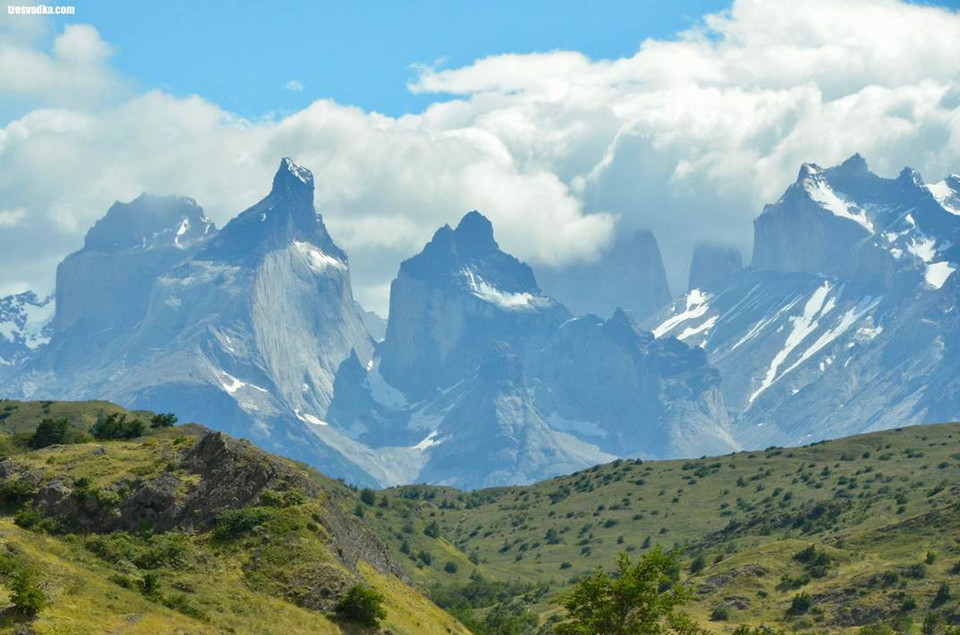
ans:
(425, 557)
(362, 604)
(943, 594)
(49, 432)
(720, 614)
(286, 498)
(149, 584)
(800, 604)
(698, 564)
(432, 530)
(26, 594)
(236, 522)
(163, 420)
(450, 567)
(367, 496)
(117, 426)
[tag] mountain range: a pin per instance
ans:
(844, 322)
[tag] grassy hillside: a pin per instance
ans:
(854, 535)
(881, 511)
(181, 530)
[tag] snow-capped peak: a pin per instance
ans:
(304, 175)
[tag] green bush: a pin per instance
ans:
(801, 603)
(50, 432)
(234, 523)
(720, 614)
(117, 426)
(362, 604)
(450, 567)
(26, 593)
(432, 530)
(368, 496)
(163, 420)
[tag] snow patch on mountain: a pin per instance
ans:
(802, 326)
(317, 259)
(821, 193)
(947, 193)
(505, 300)
(697, 306)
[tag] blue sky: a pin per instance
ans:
(546, 114)
(241, 55)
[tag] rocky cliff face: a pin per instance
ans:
(106, 285)
(452, 301)
(628, 275)
(484, 380)
(845, 328)
(244, 329)
(712, 263)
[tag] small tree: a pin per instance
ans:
(163, 420)
(432, 530)
(641, 597)
(117, 426)
(362, 604)
(27, 596)
(367, 496)
(50, 432)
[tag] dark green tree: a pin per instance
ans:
(641, 597)
(362, 604)
(50, 432)
(163, 420)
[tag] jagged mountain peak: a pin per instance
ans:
(292, 179)
(855, 163)
(468, 258)
(150, 221)
(286, 215)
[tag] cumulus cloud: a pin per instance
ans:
(688, 136)
(73, 72)
(294, 85)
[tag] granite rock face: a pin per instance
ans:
(846, 322)
(628, 275)
(244, 329)
(712, 263)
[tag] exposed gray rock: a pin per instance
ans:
(712, 263)
(629, 275)
(836, 333)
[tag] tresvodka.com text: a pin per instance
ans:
(40, 9)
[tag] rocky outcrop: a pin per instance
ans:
(214, 474)
(628, 274)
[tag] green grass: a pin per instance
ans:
(875, 503)
(268, 567)
(882, 512)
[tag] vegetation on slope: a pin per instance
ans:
(182, 530)
(837, 536)
(856, 535)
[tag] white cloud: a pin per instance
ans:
(73, 73)
(294, 85)
(12, 217)
(688, 137)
